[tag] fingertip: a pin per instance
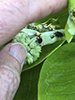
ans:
(17, 51)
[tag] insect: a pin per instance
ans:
(39, 40)
(51, 37)
(58, 34)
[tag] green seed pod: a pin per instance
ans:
(34, 52)
(29, 58)
(33, 44)
(33, 41)
(28, 39)
(50, 37)
(38, 48)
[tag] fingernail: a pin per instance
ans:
(19, 52)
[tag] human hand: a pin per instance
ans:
(14, 15)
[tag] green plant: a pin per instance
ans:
(51, 76)
(33, 41)
(49, 69)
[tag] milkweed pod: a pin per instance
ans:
(29, 58)
(46, 39)
(28, 40)
(32, 44)
(34, 53)
(38, 48)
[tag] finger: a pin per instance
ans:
(42, 8)
(14, 15)
(11, 62)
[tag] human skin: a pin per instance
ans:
(14, 15)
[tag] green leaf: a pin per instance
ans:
(71, 4)
(69, 37)
(70, 26)
(61, 16)
(46, 50)
(70, 29)
(57, 77)
(28, 85)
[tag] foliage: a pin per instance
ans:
(57, 75)
(51, 76)
(29, 88)
(70, 25)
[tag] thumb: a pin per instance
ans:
(12, 59)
